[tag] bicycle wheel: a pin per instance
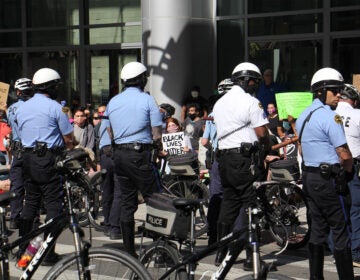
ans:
(193, 190)
(159, 257)
(290, 211)
(104, 263)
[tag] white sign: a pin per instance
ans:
(174, 143)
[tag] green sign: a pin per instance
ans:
(292, 103)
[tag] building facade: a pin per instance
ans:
(183, 43)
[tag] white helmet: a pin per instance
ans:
(132, 70)
(23, 84)
(246, 69)
(45, 78)
(350, 92)
(326, 78)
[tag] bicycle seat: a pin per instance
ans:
(183, 203)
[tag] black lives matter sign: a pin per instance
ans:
(174, 143)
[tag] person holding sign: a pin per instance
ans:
(175, 142)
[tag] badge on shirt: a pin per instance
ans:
(338, 119)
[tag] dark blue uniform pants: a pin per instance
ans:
(135, 173)
(16, 186)
(110, 192)
(41, 181)
(327, 210)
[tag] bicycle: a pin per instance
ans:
(85, 262)
(164, 261)
(186, 181)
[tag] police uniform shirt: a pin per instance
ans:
(237, 109)
(210, 133)
(321, 135)
(11, 119)
(351, 123)
(132, 113)
(41, 119)
(103, 134)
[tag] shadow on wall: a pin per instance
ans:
(185, 62)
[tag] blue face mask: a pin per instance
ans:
(286, 125)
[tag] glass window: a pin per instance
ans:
(113, 35)
(339, 3)
(346, 57)
(114, 11)
(10, 14)
(285, 25)
(230, 46)
(10, 39)
(10, 70)
(44, 13)
(229, 7)
(349, 20)
(53, 37)
(282, 56)
(270, 6)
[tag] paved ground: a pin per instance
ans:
(291, 263)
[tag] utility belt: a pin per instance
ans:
(138, 147)
(335, 171)
(41, 149)
(246, 149)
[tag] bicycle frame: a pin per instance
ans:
(229, 260)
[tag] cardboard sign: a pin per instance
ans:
(4, 92)
(356, 81)
(292, 103)
(174, 143)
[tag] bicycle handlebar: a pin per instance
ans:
(76, 155)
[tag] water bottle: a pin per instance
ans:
(30, 251)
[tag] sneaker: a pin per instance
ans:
(50, 260)
(115, 233)
(356, 263)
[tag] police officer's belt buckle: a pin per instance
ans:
(327, 170)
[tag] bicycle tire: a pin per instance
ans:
(193, 190)
(291, 211)
(159, 257)
(111, 264)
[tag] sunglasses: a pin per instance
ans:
(96, 118)
(335, 91)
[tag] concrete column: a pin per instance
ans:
(179, 48)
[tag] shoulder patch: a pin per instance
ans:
(261, 106)
(338, 119)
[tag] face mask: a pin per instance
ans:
(286, 126)
(194, 94)
(192, 116)
(164, 116)
(172, 129)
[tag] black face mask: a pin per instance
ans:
(192, 116)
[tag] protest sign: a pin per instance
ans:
(292, 103)
(174, 143)
(356, 81)
(4, 92)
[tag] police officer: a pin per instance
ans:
(241, 124)
(326, 161)
(110, 186)
(350, 114)
(23, 87)
(45, 132)
(136, 122)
